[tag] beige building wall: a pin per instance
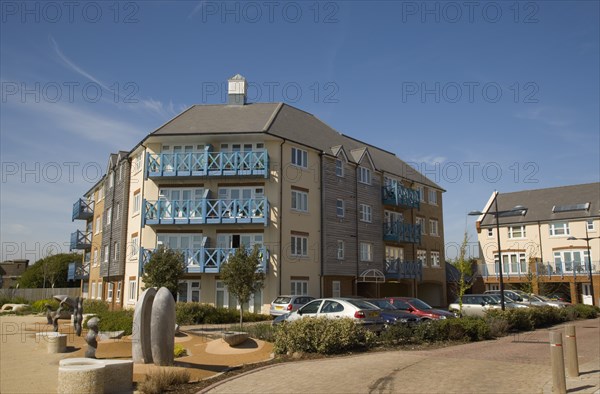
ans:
(95, 252)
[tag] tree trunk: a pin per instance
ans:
(241, 315)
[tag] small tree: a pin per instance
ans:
(51, 271)
(165, 268)
(241, 275)
(465, 268)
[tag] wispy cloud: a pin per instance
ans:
(428, 160)
(197, 9)
(549, 116)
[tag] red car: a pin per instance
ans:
(419, 308)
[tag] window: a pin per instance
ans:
(559, 228)
(366, 251)
(299, 287)
(135, 245)
(106, 253)
(299, 157)
(116, 251)
(137, 202)
(109, 216)
(366, 213)
(118, 211)
(433, 227)
(490, 232)
(590, 225)
(120, 172)
(339, 208)
(109, 291)
(339, 168)
(336, 287)
(101, 193)
(421, 223)
(111, 180)
(433, 197)
(340, 250)
(137, 163)
(95, 256)
(571, 260)
(119, 283)
(132, 289)
(512, 263)
(394, 254)
(516, 232)
(422, 256)
(364, 175)
(421, 190)
(99, 285)
(299, 201)
(435, 259)
(299, 246)
(98, 224)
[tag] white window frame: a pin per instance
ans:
(117, 210)
(98, 224)
(421, 190)
(490, 232)
(516, 232)
(433, 200)
(299, 201)
(340, 209)
(563, 226)
(422, 256)
(106, 253)
(96, 260)
(109, 291)
(366, 213)
(364, 175)
(132, 290)
(99, 295)
(513, 263)
(299, 287)
(339, 168)
(109, 216)
(137, 202)
(590, 225)
(116, 251)
(135, 245)
(434, 257)
(434, 227)
(340, 249)
(366, 251)
(422, 222)
(299, 157)
(560, 256)
(111, 180)
(93, 291)
(393, 253)
(299, 246)
(137, 163)
(336, 288)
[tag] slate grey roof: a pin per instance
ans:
(539, 204)
(284, 121)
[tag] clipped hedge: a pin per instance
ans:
(321, 335)
(40, 305)
(114, 321)
(188, 313)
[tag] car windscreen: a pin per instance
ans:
(361, 304)
(282, 300)
(417, 303)
(383, 304)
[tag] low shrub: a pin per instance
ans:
(546, 316)
(179, 350)
(94, 306)
(321, 335)
(398, 334)
(40, 305)
(159, 381)
(498, 326)
(262, 331)
(431, 331)
(114, 321)
(187, 313)
(585, 311)
(518, 319)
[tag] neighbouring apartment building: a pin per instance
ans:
(333, 216)
(535, 245)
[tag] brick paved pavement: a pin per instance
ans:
(514, 364)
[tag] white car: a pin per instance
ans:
(479, 304)
(362, 312)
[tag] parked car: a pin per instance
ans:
(359, 310)
(522, 297)
(479, 304)
(287, 303)
(547, 301)
(393, 315)
(419, 308)
(559, 297)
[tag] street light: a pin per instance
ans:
(496, 214)
(589, 267)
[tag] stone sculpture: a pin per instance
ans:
(78, 315)
(90, 338)
(57, 315)
(153, 338)
(49, 313)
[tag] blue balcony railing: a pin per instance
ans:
(83, 209)
(78, 271)
(205, 211)
(396, 269)
(252, 163)
(558, 268)
(204, 260)
(401, 196)
(402, 232)
(81, 240)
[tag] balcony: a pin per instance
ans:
(549, 269)
(207, 164)
(204, 260)
(401, 196)
(83, 210)
(81, 240)
(396, 269)
(78, 271)
(205, 211)
(402, 232)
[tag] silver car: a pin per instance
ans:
(362, 312)
(479, 304)
(287, 303)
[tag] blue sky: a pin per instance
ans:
(480, 96)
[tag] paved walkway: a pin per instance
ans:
(515, 364)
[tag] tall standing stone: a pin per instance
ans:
(141, 345)
(162, 327)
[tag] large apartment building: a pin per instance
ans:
(333, 216)
(537, 244)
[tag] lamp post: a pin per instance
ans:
(496, 214)
(589, 263)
